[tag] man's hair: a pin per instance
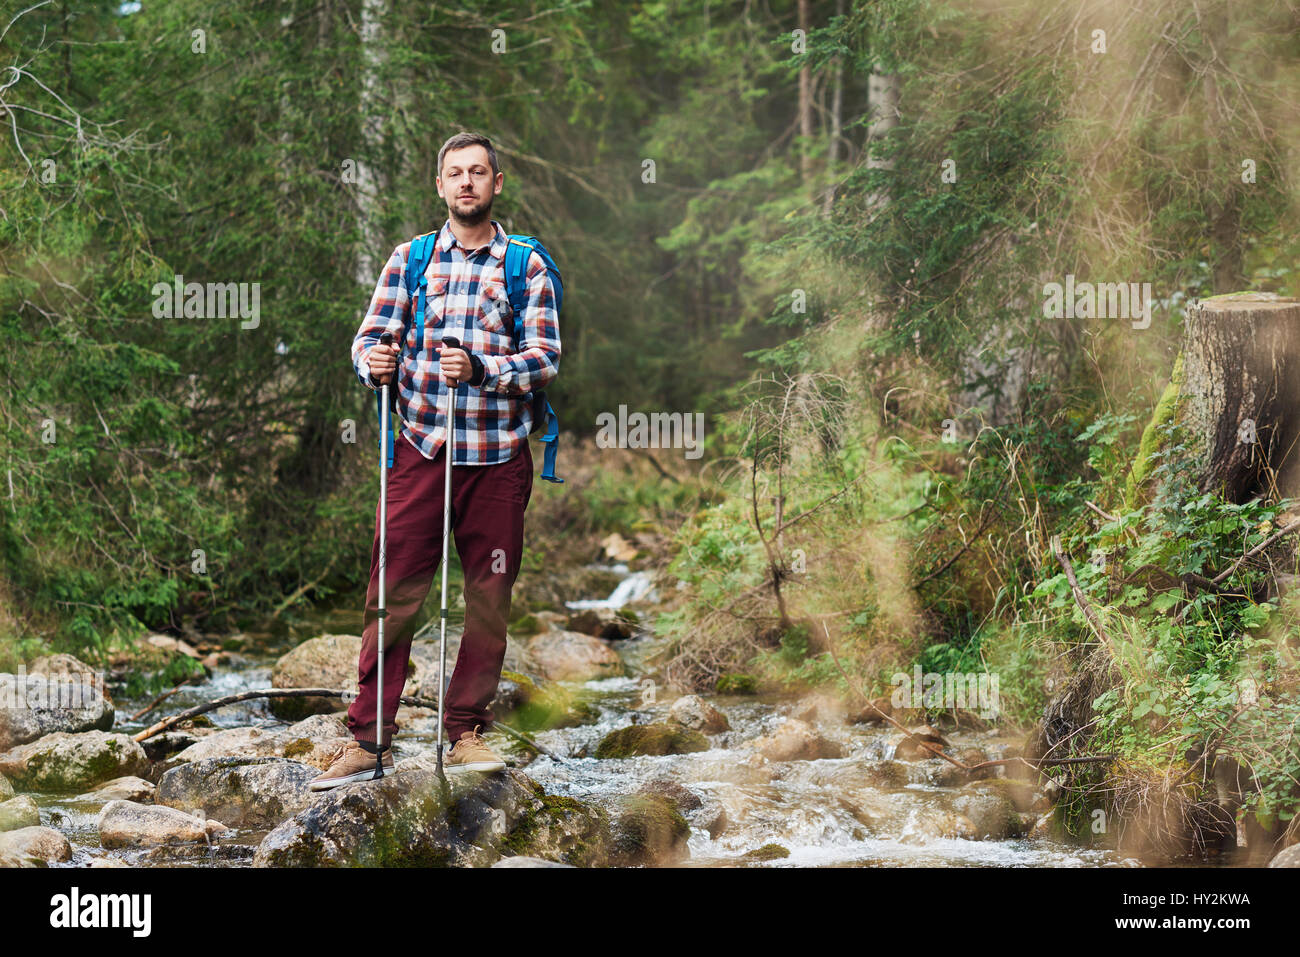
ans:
(462, 140)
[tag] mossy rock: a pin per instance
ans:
(526, 625)
(546, 706)
(650, 832)
(768, 852)
(737, 684)
(654, 739)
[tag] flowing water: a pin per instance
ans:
(862, 809)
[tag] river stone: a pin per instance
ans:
(926, 824)
(654, 739)
(908, 747)
(571, 656)
(328, 661)
(312, 741)
(678, 795)
(129, 788)
(528, 862)
(649, 832)
(692, 711)
(1288, 857)
(993, 816)
(19, 812)
(239, 792)
(412, 819)
(711, 817)
(73, 762)
(33, 846)
(127, 824)
(797, 740)
(34, 705)
(6, 789)
(603, 623)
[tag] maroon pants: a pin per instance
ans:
(487, 520)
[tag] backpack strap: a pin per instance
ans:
(519, 250)
(417, 262)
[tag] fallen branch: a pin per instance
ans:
(1080, 598)
(314, 693)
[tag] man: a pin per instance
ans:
(492, 480)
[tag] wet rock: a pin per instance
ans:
(311, 741)
(910, 747)
(1288, 857)
(710, 817)
(819, 709)
(768, 852)
(172, 646)
(656, 739)
(127, 824)
(679, 796)
(18, 813)
(207, 853)
(162, 746)
(993, 815)
(33, 847)
(41, 704)
(797, 740)
(571, 656)
(239, 792)
(6, 789)
(122, 789)
(1045, 828)
(603, 623)
(692, 711)
(927, 824)
(528, 862)
(649, 832)
(874, 712)
(542, 705)
(73, 762)
(411, 819)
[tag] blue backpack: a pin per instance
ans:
(518, 252)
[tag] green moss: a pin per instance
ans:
(1164, 413)
(768, 852)
(650, 831)
(298, 747)
(547, 706)
(525, 625)
(737, 684)
(655, 739)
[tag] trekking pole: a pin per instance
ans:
(448, 448)
(387, 340)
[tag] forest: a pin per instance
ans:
(986, 311)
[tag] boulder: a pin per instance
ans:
(797, 740)
(239, 792)
(34, 705)
(571, 656)
(679, 796)
(6, 789)
(993, 816)
(910, 746)
(311, 741)
(33, 847)
(172, 646)
(328, 661)
(412, 818)
(649, 832)
(19, 812)
(1288, 857)
(536, 704)
(768, 852)
(692, 711)
(127, 824)
(121, 789)
(655, 739)
(926, 824)
(73, 762)
(710, 817)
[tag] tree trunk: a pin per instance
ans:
(371, 181)
(805, 104)
(1240, 394)
(837, 125)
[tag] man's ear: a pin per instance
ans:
(501, 180)
(437, 182)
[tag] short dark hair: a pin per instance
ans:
(462, 140)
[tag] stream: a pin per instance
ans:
(832, 812)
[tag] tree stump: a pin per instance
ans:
(1239, 399)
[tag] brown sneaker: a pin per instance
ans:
(470, 753)
(351, 763)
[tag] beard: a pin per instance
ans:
(472, 216)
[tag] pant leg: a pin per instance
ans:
(415, 486)
(489, 531)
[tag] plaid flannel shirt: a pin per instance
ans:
(465, 298)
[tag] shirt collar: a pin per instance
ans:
(496, 248)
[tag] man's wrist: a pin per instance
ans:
(477, 369)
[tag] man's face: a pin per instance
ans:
(467, 185)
